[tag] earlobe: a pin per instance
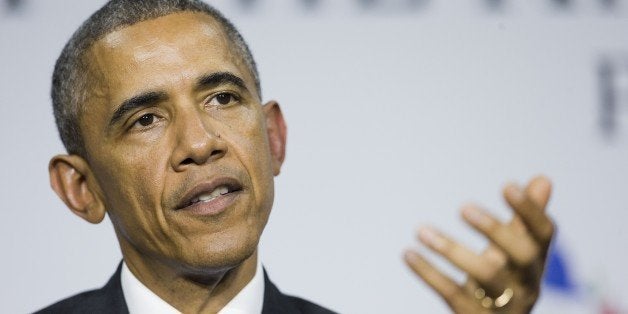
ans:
(69, 178)
(277, 134)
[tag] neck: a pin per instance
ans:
(191, 292)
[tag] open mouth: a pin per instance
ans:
(209, 196)
(209, 192)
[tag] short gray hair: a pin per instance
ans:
(70, 76)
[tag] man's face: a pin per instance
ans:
(178, 143)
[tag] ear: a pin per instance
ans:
(277, 132)
(70, 178)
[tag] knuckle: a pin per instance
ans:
(492, 228)
(488, 274)
(548, 231)
(527, 255)
(449, 293)
(488, 271)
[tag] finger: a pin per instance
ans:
(518, 226)
(539, 189)
(453, 294)
(532, 215)
(521, 249)
(478, 268)
(495, 256)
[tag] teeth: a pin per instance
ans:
(221, 190)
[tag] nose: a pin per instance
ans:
(197, 142)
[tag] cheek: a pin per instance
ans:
(132, 183)
(132, 197)
(246, 132)
(255, 155)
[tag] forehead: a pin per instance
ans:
(161, 53)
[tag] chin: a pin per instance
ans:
(220, 253)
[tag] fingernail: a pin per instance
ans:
(514, 191)
(430, 237)
(543, 181)
(476, 216)
(411, 256)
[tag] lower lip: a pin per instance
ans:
(213, 207)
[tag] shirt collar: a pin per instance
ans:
(139, 299)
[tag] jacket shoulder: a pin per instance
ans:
(275, 302)
(307, 307)
(85, 302)
(108, 299)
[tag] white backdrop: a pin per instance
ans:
(396, 117)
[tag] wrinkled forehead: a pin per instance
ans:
(167, 27)
(175, 35)
(164, 53)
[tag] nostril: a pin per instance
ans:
(187, 161)
(215, 154)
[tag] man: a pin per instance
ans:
(159, 106)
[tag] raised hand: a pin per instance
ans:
(506, 277)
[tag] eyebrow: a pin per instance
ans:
(142, 100)
(151, 98)
(219, 78)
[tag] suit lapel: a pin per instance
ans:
(113, 296)
(276, 302)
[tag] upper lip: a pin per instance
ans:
(232, 184)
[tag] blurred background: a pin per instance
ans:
(399, 111)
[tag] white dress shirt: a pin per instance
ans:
(141, 300)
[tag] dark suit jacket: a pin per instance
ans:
(110, 299)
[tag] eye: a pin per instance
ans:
(145, 120)
(223, 99)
